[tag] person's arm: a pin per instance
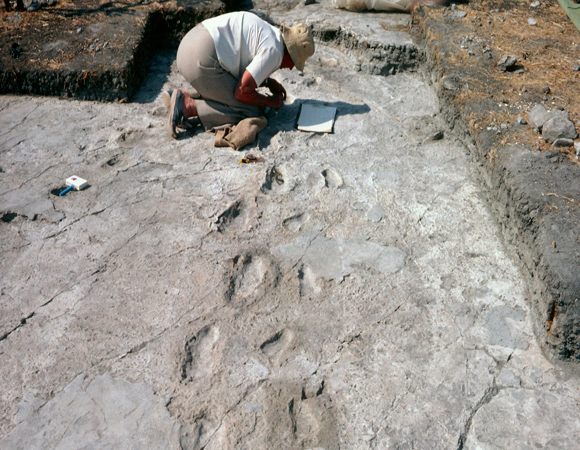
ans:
(246, 93)
(275, 87)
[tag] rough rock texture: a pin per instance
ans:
(101, 413)
(507, 62)
(378, 42)
(558, 128)
(533, 199)
(537, 117)
(351, 292)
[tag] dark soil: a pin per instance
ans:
(91, 49)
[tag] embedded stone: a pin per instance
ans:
(507, 62)
(563, 142)
(558, 127)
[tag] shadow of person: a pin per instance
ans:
(286, 118)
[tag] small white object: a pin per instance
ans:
(76, 182)
(532, 22)
(316, 118)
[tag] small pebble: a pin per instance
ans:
(519, 71)
(576, 68)
(92, 47)
(535, 4)
(522, 121)
(504, 126)
(471, 53)
(532, 22)
(97, 39)
(563, 142)
(79, 30)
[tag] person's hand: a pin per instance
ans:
(276, 88)
(276, 101)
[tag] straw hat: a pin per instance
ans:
(299, 42)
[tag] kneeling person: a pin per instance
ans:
(225, 59)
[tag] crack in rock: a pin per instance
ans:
(488, 395)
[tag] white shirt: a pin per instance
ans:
(243, 41)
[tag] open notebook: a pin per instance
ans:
(316, 118)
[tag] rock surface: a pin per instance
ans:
(507, 62)
(351, 292)
(101, 413)
(537, 117)
(559, 127)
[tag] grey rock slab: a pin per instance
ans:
(538, 116)
(99, 413)
(371, 26)
(559, 127)
(527, 419)
(259, 298)
(499, 329)
(376, 213)
(507, 62)
(333, 259)
(376, 39)
(30, 203)
(458, 15)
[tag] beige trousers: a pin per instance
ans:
(198, 63)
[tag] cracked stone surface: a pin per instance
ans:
(352, 292)
(101, 413)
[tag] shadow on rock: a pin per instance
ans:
(287, 117)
